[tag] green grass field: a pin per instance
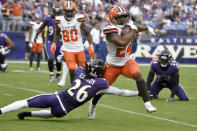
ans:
(114, 113)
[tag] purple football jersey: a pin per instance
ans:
(165, 74)
(51, 27)
(81, 91)
(3, 38)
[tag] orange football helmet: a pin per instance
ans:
(116, 12)
(69, 9)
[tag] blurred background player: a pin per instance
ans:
(88, 82)
(5, 45)
(72, 25)
(119, 59)
(167, 71)
(49, 22)
(38, 45)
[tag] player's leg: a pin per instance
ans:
(80, 58)
(43, 101)
(64, 75)
(131, 70)
(33, 50)
(70, 59)
(39, 51)
(155, 89)
(3, 65)
(51, 58)
(181, 94)
(58, 63)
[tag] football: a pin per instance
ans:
(125, 30)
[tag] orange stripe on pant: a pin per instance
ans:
(73, 58)
(128, 70)
(37, 47)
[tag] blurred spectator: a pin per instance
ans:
(17, 16)
(7, 15)
(191, 27)
(96, 37)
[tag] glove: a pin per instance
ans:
(132, 25)
(53, 48)
(91, 50)
(169, 99)
(151, 30)
(4, 50)
(30, 45)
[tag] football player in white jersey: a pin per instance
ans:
(119, 60)
(38, 45)
(71, 25)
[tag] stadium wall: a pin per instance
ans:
(183, 48)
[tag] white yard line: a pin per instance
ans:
(44, 62)
(111, 107)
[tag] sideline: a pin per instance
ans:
(111, 107)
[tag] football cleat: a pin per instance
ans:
(22, 115)
(31, 68)
(149, 107)
(38, 69)
(58, 77)
(4, 67)
(91, 111)
(52, 79)
(61, 83)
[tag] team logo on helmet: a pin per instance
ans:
(116, 12)
(69, 10)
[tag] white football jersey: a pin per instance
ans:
(35, 26)
(71, 33)
(117, 56)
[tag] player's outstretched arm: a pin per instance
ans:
(120, 92)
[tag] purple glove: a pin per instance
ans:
(169, 99)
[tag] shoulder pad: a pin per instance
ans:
(46, 17)
(175, 64)
(110, 29)
(80, 17)
(58, 19)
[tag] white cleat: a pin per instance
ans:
(61, 83)
(149, 107)
(31, 68)
(91, 111)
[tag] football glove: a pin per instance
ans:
(151, 30)
(4, 50)
(30, 45)
(53, 48)
(169, 99)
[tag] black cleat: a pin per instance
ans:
(22, 115)
(0, 111)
